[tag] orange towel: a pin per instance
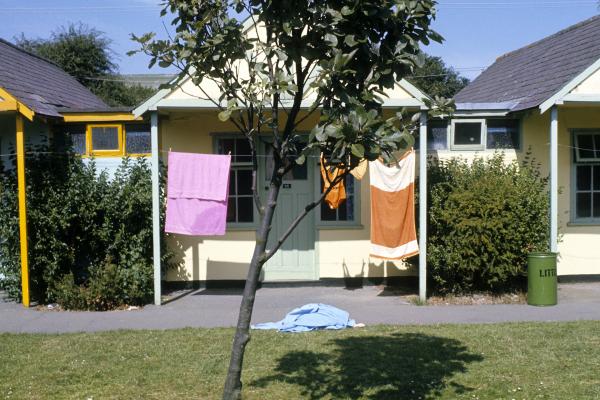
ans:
(393, 231)
(337, 195)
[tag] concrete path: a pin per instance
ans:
(370, 305)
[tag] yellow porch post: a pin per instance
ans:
(22, 209)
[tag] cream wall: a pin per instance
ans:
(340, 252)
(344, 252)
(579, 249)
(589, 86)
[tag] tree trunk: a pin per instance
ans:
(233, 383)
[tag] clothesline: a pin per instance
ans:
(165, 151)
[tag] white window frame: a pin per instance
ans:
(473, 147)
(576, 134)
(575, 162)
(237, 226)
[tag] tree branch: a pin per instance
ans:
(301, 216)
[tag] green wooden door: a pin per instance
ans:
(296, 258)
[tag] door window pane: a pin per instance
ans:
(467, 133)
(105, 138)
(137, 139)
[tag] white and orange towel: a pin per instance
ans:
(393, 231)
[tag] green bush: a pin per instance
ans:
(90, 235)
(484, 218)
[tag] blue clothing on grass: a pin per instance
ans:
(311, 317)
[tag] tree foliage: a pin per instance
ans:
(85, 54)
(435, 78)
(293, 59)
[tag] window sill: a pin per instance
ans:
(340, 227)
(240, 228)
(583, 224)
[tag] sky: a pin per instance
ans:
(476, 32)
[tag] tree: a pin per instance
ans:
(340, 54)
(437, 79)
(85, 54)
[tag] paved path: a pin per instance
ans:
(218, 308)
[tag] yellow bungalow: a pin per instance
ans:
(329, 244)
(38, 101)
(545, 97)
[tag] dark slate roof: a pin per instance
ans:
(531, 75)
(41, 85)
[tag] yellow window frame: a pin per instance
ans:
(104, 153)
(125, 146)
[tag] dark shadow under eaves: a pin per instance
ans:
(400, 366)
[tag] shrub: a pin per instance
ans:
(90, 235)
(484, 218)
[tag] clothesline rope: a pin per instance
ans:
(240, 155)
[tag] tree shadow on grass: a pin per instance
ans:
(398, 366)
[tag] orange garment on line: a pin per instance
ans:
(393, 231)
(337, 195)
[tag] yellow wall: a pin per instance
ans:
(579, 250)
(344, 252)
(339, 252)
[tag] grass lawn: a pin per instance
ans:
(508, 361)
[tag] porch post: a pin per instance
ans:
(20, 139)
(423, 207)
(554, 179)
(155, 207)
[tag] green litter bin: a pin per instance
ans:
(541, 279)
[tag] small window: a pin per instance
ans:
(437, 135)
(468, 134)
(503, 134)
(75, 136)
(587, 146)
(137, 139)
(346, 211)
(106, 139)
(240, 208)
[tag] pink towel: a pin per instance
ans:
(197, 190)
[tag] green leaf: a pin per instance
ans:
(358, 150)
(331, 40)
(224, 115)
(350, 40)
